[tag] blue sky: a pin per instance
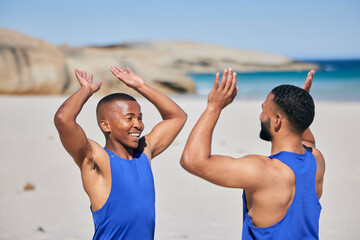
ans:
(316, 29)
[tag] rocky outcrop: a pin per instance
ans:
(98, 60)
(28, 65)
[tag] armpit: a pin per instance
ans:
(93, 165)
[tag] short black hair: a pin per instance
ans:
(297, 105)
(115, 97)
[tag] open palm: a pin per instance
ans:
(87, 82)
(128, 77)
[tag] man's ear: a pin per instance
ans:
(278, 122)
(105, 126)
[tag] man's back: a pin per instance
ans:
(300, 219)
(268, 201)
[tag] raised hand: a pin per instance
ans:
(223, 94)
(129, 78)
(308, 81)
(87, 82)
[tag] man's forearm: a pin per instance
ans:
(198, 146)
(167, 107)
(73, 105)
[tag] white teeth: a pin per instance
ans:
(135, 134)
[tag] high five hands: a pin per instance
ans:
(224, 93)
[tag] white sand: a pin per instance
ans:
(186, 206)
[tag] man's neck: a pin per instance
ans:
(288, 143)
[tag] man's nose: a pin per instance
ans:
(137, 124)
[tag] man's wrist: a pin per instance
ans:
(213, 108)
(87, 90)
(142, 88)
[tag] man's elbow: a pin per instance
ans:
(60, 119)
(183, 118)
(185, 160)
(190, 163)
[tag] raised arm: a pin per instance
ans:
(197, 157)
(71, 134)
(308, 138)
(164, 133)
(198, 146)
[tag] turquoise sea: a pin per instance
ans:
(338, 80)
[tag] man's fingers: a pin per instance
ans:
(216, 82)
(80, 74)
(129, 70)
(223, 79)
(233, 81)
(91, 78)
(308, 81)
(115, 70)
(121, 70)
(310, 75)
(229, 79)
(234, 93)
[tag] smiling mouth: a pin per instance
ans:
(136, 135)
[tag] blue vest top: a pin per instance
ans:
(129, 212)
(302, 218)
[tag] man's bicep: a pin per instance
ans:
(231, 172)
(163, 134)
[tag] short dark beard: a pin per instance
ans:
(265, 132)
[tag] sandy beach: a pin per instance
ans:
(186, 207)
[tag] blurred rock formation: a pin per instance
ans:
(32, 66)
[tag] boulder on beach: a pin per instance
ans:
(30, 66)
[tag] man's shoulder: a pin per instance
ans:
(269, 166)
(96, 147)
(257, 157)
(259, 163)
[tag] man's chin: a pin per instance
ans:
(265, 136)
(134, 145)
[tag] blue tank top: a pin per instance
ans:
(129, 212)
(302, 218)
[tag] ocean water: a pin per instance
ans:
(338, 80)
